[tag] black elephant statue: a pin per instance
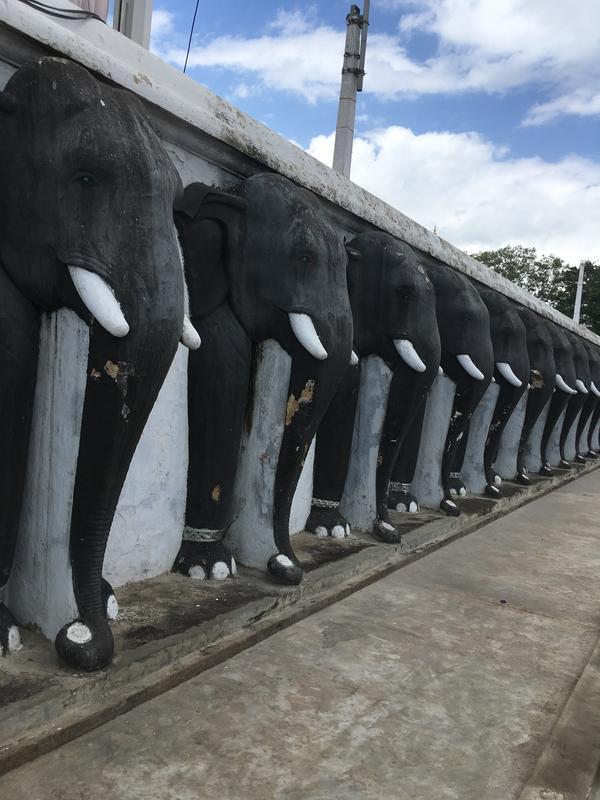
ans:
(584, 443)
(542, 382)
(393, 308)
(86, 222)
(467, 358)
(511, 359)
(564, 389)
(576, 402)
(261, 263)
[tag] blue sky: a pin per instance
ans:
(478, 116)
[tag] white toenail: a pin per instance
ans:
(401, 507)
(453, 492)
(79, 633)
(197, 572)
(112, 607)
(495, 489)
(284, 561)
(338, 532)
(450, 503)
(321, 532)
(462, 492)
(497, 480)
(14, 639)
(220, 571)
(387, 526)
(413, 507)
(347, 530)
(233, 566)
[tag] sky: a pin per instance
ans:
(478, 117)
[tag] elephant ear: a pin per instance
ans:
(210, 226)
(8, 103)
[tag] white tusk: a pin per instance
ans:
(100, 301)
(469, 367)
(353, 359)
(594, 389)
(563, 386)
(440, 371)
(304, 330)
(506, 371)
(189, 335)
(581, 386)
(409, 355)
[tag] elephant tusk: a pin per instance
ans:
(507, 373)
(563, 386)
(409, 355)
(469, 367)
(594, 389)
(581, 386)
(353, 359)
(190, 336)
(100, 301)
(304, 330)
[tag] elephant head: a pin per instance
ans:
(393, 309)
(542, 380)
(509, 341)
(278, 269)
(467, 358)
(576, 402)
(86, 222)
(564, 387)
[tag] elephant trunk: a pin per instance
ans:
(124, 377)
(466, 399)
(586, 412)
(538, 397)
(557, 405)
(506, 403)
(574, 406)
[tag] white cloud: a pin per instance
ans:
(482, 45)
(476, 194)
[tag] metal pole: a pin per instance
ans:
(344, 131)
(579, 292)
(133, 18)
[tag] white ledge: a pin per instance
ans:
(104, 50)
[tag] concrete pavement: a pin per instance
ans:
(463, 675)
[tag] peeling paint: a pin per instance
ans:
(95, 374)
(215, 495)
(537, 379)
(293, 405)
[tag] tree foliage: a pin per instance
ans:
(549, 278)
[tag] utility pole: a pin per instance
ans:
(133, 18)
(578, 293)
(353, 71)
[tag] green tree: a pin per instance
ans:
(549, 278)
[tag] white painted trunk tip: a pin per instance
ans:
(505, 369)
(189, 335)
(563, 385)
(581, 386)
(79, 633)
(409, 355)
(304, 330)
(100, 301)
(284, 561)
(469, 367)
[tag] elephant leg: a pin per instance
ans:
(536, 402)
(124, 377)
(557, 404)
(584, 418)
(19, 347)
(574, 405)
(506, 403)
(406, 396)
(218, 380)
(332, 456)
(312, 387)
(400, 497)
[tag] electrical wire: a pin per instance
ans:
(62, 13)
(190, 39)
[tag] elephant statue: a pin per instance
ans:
(467, 358)
(511, 358)
(576, 402)
(261, 263)
(565, 388)
(393, 309)
(542, 380)
(86, 222)
(585, 447)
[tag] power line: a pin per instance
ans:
(191, 34)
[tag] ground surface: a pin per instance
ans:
(443, 680)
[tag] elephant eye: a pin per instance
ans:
(304, 258)
(85, 179)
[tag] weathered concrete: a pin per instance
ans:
(449, 679)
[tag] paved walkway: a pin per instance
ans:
(443, 680)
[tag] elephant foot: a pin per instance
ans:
(85, 648)
(580, 458)
(491, 490)
(283, 570)
(564, 464)
(546, 469)
(522, 477)
(10, 638)
(455, 485)
(109, 601)
(205, 560)
(327, 521)
(591, 454)
(449, 507)
(401, 499)
(386, 532)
